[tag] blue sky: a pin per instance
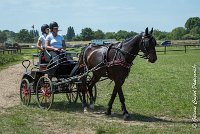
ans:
(107, 15)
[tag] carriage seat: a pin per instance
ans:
(44, 60)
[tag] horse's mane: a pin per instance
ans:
(127, 40)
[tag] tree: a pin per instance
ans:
(87, 34)
(195, 30)
(10, 35)
(192, 22)
(132, 34)
(34, 33)
(78, 38)
(110, 35)
(122, 34)
(99, 34)
(178, 33)
(70, 33)
(24, 37)
(190, 37)
(160, 35)
(3, 37)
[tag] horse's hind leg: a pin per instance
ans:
(83, 90)
(84, 102)
(93, 81)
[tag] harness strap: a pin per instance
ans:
(82, 65)
(119, 63)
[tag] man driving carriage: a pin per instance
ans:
(55, 43)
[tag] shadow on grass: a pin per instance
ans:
(67, 107)
(144, 118)
(64, 106)
(141, 118)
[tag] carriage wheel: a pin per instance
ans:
(72, 94)
(44, 92)
(25, 92)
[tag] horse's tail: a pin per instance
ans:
(107, 54)
(82, 52)
(82, 60)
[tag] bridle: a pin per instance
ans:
(144, 44)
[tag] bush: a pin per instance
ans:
(8, 58)
(190, 37)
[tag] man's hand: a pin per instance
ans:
(61, 49)
(56, 49)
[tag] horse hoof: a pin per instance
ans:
(91, 106)
(85, 110)
(126, 116)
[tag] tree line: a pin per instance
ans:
(23, 36)
(191, 31)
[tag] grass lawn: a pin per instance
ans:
(158, 97)
(10, 59)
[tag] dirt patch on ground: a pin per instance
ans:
(10, 79)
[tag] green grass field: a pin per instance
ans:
(158, 97)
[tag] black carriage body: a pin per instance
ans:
(62, 70)
(42, 83)
(59, 69)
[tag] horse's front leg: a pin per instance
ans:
(110, 103)
(122, 100)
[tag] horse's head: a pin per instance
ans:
(147, 45)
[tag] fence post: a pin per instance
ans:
(185, 48)
(165, 50)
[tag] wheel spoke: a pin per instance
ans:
(25, 92)
(42, 99)
(72, 94)
(44, 92)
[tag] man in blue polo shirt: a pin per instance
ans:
(55, 43)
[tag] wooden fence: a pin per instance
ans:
(10, 50)
(185, 48)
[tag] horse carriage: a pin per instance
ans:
(49, 77)
(112, 61)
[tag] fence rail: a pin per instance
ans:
(197, 47)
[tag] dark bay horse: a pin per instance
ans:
(114, 61)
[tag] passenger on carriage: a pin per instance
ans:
(41, 39)
(41, 42)
(55, 43)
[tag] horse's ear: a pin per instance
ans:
(146, 31)
(151, 31)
